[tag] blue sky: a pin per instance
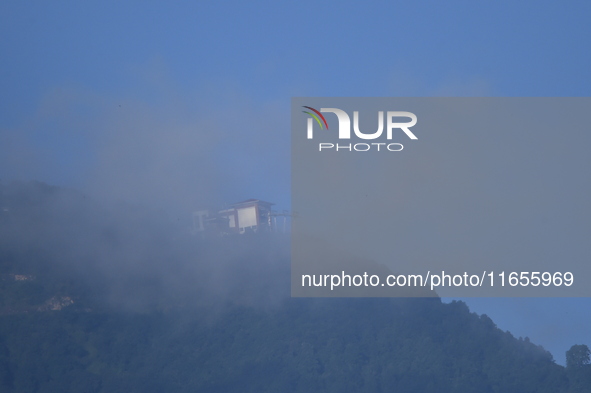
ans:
(98, 95)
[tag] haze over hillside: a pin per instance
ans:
(105, 298)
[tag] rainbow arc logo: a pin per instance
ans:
(316, 117)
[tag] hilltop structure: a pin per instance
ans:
(251, 215)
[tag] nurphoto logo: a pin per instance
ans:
(393, 122)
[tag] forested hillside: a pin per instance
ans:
(97, 298)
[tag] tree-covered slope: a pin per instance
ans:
(302, 345)
(104, 299)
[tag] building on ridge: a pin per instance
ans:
(251, 215)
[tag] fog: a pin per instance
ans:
(100, 190)
(164, 149)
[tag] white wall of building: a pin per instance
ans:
(247, 217)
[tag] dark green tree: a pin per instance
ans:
(578, 356)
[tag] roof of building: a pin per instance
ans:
(252, 202)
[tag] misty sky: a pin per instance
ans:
(186, 105)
